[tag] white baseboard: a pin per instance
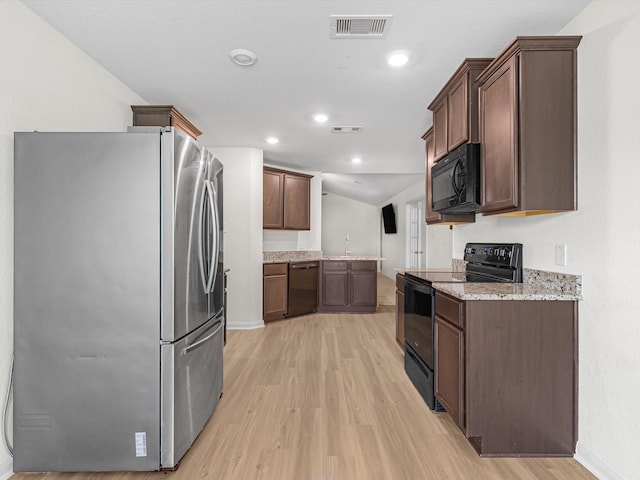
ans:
(245, 325)
(594, 464)
(6, 469)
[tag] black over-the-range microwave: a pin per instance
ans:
(455, 181)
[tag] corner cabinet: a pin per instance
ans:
(527, 105)
(274, 291)
(286, 200)
(455, 108)
(348, 286)
(431, 216)
(507, 373)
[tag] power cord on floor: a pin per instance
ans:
(5, 410)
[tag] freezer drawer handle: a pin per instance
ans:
(201, 341)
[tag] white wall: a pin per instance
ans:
(600, 237)
(393, 245)
(342, 216)
(278, 240)
(242, 234)
(48, 84)
(439, 246)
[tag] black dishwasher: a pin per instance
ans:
(303, 288)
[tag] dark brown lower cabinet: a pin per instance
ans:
(507, 373)
(400, 309)
(348, 286)
(274, 291)
(449, 363)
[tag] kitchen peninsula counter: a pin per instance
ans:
(310, 256)
(503, 291)
(537, 285)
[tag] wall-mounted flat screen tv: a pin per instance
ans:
(389, 219)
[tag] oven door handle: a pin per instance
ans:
(419, 287)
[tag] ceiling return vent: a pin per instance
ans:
(359, 26)
(346, 129)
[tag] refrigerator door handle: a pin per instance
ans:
(213, 267)
(193, 346)
(203, 274)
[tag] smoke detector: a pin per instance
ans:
(359, 26)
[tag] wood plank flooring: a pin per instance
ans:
(325, 397)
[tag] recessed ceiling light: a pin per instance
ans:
(242, 57)
(398, 59)
(356, 160)
(272, 140)
(320, 117)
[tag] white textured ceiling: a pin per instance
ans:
(176, 52)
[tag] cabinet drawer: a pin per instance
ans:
(363, 266)
(274, 269)
(450, 309)
(400, 282)
(334, 265)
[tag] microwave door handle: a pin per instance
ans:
(214, 221)
(454, 176)
(201, 238)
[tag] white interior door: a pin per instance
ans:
(416, 235)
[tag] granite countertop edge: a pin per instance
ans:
(310, 256)
(503, 291)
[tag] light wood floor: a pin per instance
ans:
(325, 397)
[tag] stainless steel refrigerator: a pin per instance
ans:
(118, 298)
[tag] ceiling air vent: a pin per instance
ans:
(346, 129)
(359, 26)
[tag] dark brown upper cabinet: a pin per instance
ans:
(286, 200)
(455, 108)
(163, 116)
(431, 216)
(527, 100)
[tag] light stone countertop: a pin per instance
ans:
(503, 291)
(310, 256)
(537, 285)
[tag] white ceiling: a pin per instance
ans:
(176, 52)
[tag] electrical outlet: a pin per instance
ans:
(561, 254)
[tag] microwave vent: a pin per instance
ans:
(359, 26)
(346, 129)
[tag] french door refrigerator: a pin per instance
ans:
(118, 298)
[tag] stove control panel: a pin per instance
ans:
(502, 254)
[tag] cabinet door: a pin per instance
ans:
(458, 115)
(334, 288)
(274, 297)
(363, 291)
(498, 139)
(296, 202)
(449, 369)
(440, 125)
(272, 196)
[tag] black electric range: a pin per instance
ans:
(486, 262)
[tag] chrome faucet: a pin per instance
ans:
(347, 252)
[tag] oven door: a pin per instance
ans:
(418, 318)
